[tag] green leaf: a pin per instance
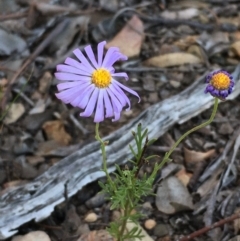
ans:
(150, 142)
(133, 152)
(150, 157)
(144, 134)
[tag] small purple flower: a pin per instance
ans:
(220, 84)
(91, 84)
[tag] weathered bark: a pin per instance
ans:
(37, 199)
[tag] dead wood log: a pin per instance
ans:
(37, 199)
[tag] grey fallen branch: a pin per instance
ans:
(37, 199)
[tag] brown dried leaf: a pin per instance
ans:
(172, 59)
(50, 9)
(195, 156)
(184, 43)
(236, 222)
(55, 131)
(184, 176)
(130, 38)
(236, 48)
(198, 51)
(45, 82)
(230, 20)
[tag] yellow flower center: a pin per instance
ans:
(220, 81)
(101, 78)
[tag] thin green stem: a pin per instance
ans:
(104, 156)
(123, 226)
(166, 157)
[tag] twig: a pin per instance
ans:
(78, 124)
(208, 228)
(29, 101)
(162, 148)
(38, 50)
(13, 16)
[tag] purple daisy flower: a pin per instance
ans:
(220, 84)
(91, 84)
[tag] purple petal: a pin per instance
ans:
(123, 95)
(100, 52)
(116, 116)
(126, 89)
(84, 94)
(69, 95)
(71, 69)
(117, 95)
(68, 76)
(108, 105)
(209, 77)
(68, 85)
(115, 57)
(75, 63)
(99, 115)
(83, 59)
(215, 92)
(116, 113)
(91, 56)
(110, 53)
(230, 89)
(224, 93)
(115, 101)
(124, 75)
(209, 88)
(91, 104)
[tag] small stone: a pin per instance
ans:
(34, 122)
(147, 205)
(175, 84)
(96, 201)
(45, 82)
(128, 113)
(148, 83)
(161, 230)
(146, 209)
(225, 129)
(91, 217)
(150, 224)
(17, 238)
(33, 236)
(116, 215)
(15, 111)
(153, 98)
(35, 160)
(164, 93)
(83, 229)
